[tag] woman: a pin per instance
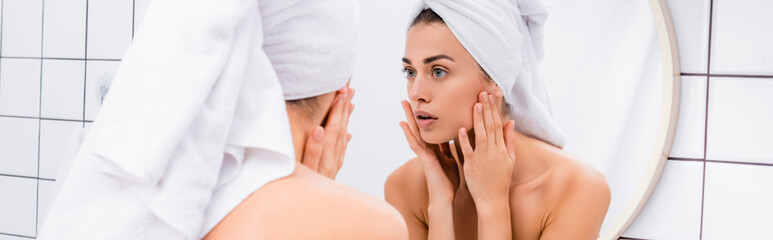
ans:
(477, 173)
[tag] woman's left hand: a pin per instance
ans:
(489, 167)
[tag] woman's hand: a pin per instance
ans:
(440, 221)
(326, 147)
(439, 185)
(489, 167)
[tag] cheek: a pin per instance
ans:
(462, 99)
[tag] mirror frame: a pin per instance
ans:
(669, 114)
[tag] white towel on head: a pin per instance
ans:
(195, 90)
(311, 44)
(505, 38)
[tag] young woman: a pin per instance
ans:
(476, 174)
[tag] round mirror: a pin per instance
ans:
(611, 70)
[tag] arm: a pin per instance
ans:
(582, 212)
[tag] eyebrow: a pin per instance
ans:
(431, 59)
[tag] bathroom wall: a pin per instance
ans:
(718, 182)
(53, 55)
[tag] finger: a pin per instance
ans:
(411, 120)
(464, 144)
(409, 136)
(497, 121)
(312, 153)
(478, 126)
(341, 141)
(488, 121)
(509, 138)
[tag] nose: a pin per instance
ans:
(418, 89)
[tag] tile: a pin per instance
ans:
(46, 194)
(98, 74)
(20, 87)
(691, 23)
(19, 146)
(57, 140)
(741, 37)
(18, 205)
(109, 28)
(690, 129)
(62, 90)
(140, 7)
(22, 28)
(737, 202)
(740, 117)
(674, 209)
(64, 29)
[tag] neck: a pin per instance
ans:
(300, 129)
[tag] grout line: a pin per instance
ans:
(741, 163)
(85, 64)
(628, 238)
(57, 58)
(727, 75)
(41, 118)
(134, 6)
(16, 235)
(28, 177)
(706, 117)
(686, 159)
(40, 112)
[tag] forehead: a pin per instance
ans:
(424, 40)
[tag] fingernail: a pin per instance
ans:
(478, 107)
(491, 98)
(485, 97)
(463, 132)
(319, 133)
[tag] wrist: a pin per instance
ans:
(493, 209)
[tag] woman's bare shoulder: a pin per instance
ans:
(406, 180)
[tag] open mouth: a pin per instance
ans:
(424, 119)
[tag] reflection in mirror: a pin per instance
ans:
(603, 75)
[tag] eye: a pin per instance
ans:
(409, 73)
(438, 73)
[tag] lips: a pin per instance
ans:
(424, 119)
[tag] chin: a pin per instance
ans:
(435, 137)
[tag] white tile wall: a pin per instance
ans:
(672, 212)
(742, 37)
(48, 93)
(97, 73)
(110, 28)
(56, 140)
(19, 147)
(20, 87)
(46, 191)
(740, 124)
(690, 130)
(64, 29)
(731, 103)
(18, 205)
(691, 23)
(22, 28)
(62, 90)
(738, 202)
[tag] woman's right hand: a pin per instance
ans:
(441, 191)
